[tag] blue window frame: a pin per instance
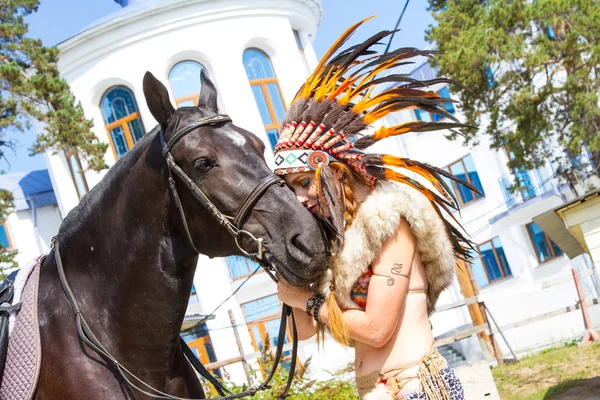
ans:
(492, 264)
(260, 308)
(240, 267)
(449, 107)
(184, 79)
(464, 169)
(545, 248)
(121, 119)
(265, 89)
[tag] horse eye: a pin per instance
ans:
(203, 164)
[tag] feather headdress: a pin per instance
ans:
(349, 90)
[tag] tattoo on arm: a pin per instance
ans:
(396, 270)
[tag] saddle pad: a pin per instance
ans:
(24, 353)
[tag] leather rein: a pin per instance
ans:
(234, 227)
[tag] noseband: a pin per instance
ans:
(233, 225)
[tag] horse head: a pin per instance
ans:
(226, 163)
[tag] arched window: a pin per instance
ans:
(122, 119)
(184, 79)
(266, 91)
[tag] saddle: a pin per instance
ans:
(20, 345)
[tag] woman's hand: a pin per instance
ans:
(292, 296)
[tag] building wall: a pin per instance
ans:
(29, 241)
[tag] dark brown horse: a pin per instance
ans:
(130, 265)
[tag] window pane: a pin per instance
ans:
(117, 103)
(557, 250)
(4, 237)
(539, 242)
(257, 65)
(465, 194)
(273, 135)
(240, 266)
(473, 176)
(261, 103)
(423, 115)
(501, 256)
(136, 129)
(276, 101)
(526, 186)
(118, 140)
(490, 262)
(478, 271)
(184, 79)
(257, 309)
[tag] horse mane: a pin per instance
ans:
(77, 217)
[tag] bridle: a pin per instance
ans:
(234, 227)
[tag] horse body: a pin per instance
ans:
(131, 268)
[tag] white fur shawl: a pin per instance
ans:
(378, 219)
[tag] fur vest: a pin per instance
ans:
(378, 219)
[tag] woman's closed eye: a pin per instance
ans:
(305, 182)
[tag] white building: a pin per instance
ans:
(258, 53)
(35, 219)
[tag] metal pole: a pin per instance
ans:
(499, 330)
(590, 334)
(396, 27)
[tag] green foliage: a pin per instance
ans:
(545, 60)
(31, 88)
(303, 388)
(7, 257)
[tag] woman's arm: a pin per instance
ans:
(387, 292)
(377, 323)
(297, 298)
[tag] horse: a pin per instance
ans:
(129, 250)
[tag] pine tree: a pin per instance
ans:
(32, 88)
(532, 67)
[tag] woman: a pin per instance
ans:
(393, 250)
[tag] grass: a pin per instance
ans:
(550, 373)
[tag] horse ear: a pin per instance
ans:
(208, 93)
(157, 99)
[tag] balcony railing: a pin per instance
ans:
(522, 186)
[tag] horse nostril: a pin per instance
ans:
(297, 243)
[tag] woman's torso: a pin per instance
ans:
(411, 341)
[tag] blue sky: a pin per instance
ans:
(58, 20)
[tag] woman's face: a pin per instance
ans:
(303, 184)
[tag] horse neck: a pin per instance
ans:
(123, 256)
